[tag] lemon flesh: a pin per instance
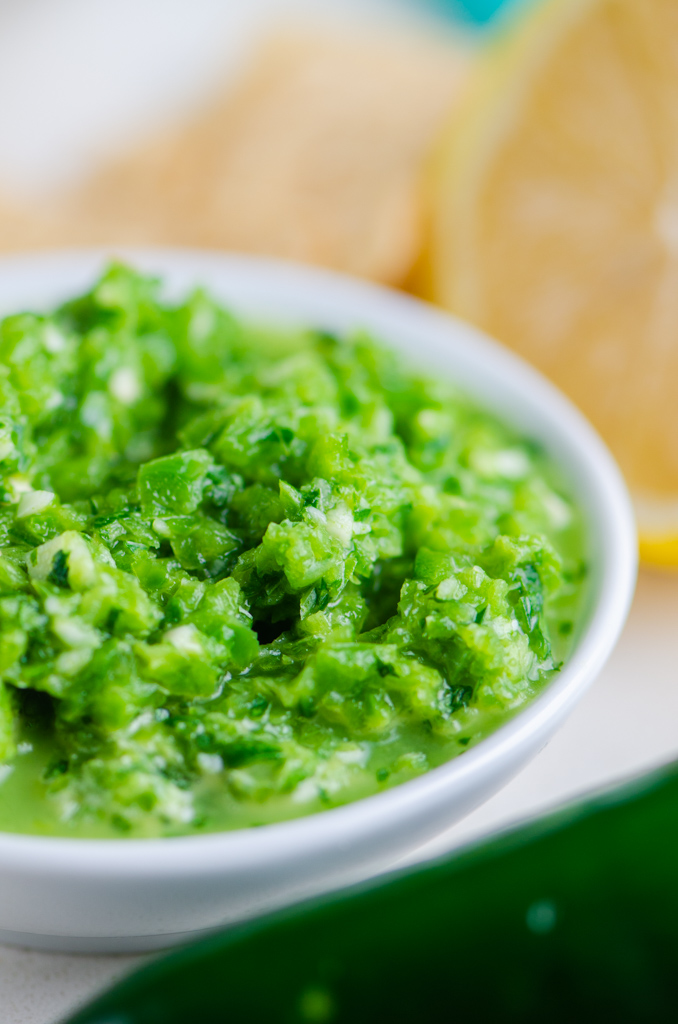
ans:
(554, 224)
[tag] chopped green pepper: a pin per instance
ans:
(253, 572)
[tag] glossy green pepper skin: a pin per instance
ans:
(573, 917)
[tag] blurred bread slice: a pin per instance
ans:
(314, 155)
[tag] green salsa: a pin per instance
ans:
(248, 573)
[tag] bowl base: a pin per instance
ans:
(100, 944)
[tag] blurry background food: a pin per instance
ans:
(525, 178)
(310, 148)
(314, 154)
(554, 224)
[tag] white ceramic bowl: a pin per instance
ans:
(115, 895)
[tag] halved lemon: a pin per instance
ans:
(554, 224)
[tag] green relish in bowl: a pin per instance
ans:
(248, 573)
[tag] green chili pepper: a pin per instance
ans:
(571, 918)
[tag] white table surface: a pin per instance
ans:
(627, 722)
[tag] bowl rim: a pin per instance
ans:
(610, 525)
